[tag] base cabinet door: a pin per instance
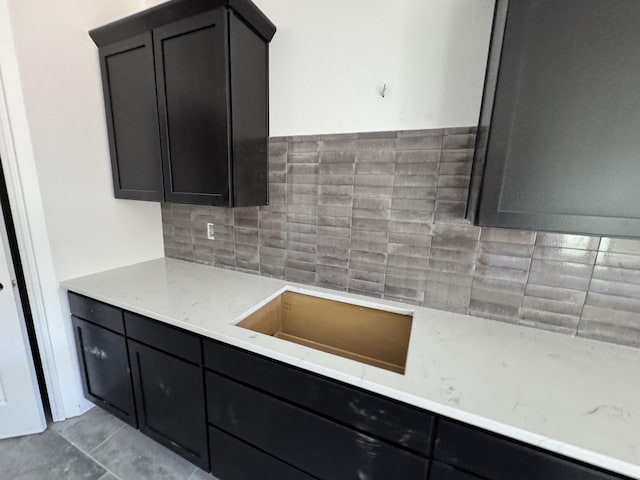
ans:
(104, 364)
(170, 401)
(233, 459)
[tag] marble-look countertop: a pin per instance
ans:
(572, 396)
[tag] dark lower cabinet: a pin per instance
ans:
(440, 471)
(316, 445)
(170, 401)
(497, 458)
(104, 365)
(249, 417)
(233, 459)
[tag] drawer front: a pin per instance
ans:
(164, 337)
(497, 458)
(369, 413)
(104, 366)
(96, 312)
(307, 441)
(233, 459)
(171, 402)
(440, 471)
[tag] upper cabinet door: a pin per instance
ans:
(562, 151)
(192, 77)
(128, 80)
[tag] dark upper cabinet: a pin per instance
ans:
(128, 79)
(558, 147)
(186, 95)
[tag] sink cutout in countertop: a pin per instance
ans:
(373, 334)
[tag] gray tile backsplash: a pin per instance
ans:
(382, 214)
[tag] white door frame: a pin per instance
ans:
(27, 256)
(48, 301)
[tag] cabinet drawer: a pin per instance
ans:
(164, 337)
(440, 471)
(307, 441)
(369, 413)
(96, 312)
(497, 458)
(233, 459)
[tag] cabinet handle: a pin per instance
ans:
(1, 287)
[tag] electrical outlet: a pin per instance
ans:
(210, 231)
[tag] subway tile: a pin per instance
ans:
(339, 144)
(384, 144)
(301, 158)
(619, 327)
(376, 156)
(461, 140)
(366, 273)
(375, 168)
(415, 193)
(619, 260)
(332, 277)
(459, 130)
(302, 146)
(448, 291)
(421, 132)
(372, 191)
(333, 256)
(399, 266)
(564, 241)
(300, 276)
(420, 142)
(273, 238)
(334, 221)
(340, 232)
(544, 319)
(337, 157)
(374, 135)
(272, 271)
(620, 245)
(363, 287)
(413, 204)
(430, 158)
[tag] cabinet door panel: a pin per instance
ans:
(104, 365)
(562, 147)
(233, 459)
(309, 442)
(171, 403)
(497, 458)
(129, 87)
(192, 77)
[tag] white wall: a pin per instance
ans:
(52, 81)
(88, 229)
(329, 57)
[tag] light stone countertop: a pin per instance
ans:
(572, 396)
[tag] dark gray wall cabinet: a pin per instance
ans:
(243, 416)
(558, 147)
(186, 95)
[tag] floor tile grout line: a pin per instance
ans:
(90, 452)
(89, 455)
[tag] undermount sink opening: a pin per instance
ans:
(374, 334)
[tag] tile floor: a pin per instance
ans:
(94, 446)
